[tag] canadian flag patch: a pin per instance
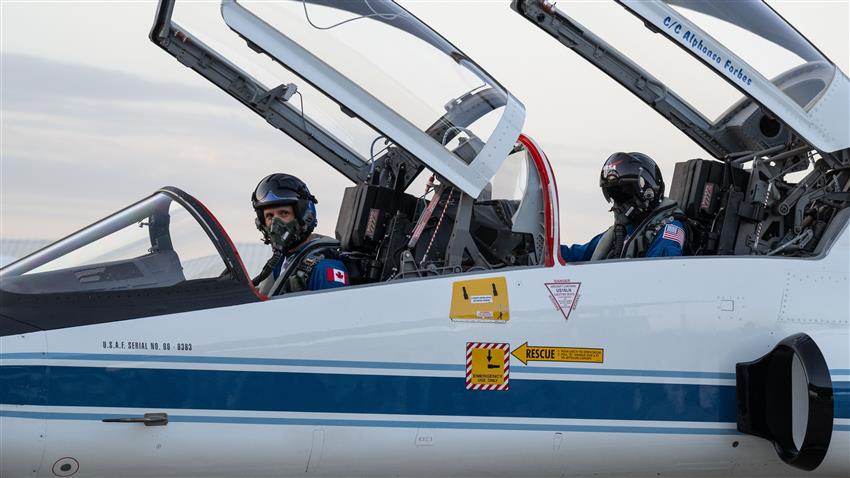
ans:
(336, 275)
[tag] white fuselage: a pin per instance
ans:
(370, 380)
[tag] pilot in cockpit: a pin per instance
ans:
(301, 260)
(645, 223)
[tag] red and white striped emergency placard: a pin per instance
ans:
(487, 366)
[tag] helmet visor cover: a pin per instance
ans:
(278, 190)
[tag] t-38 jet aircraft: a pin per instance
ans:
(466, 345)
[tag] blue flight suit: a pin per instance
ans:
(326, 274)
(668, 242)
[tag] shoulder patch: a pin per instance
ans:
(674, 233)
(336, 275)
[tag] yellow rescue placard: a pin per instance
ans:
(487, 366)
(480, 299)
(530, 353)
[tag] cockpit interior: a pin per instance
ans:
(443, 180)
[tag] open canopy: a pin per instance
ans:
(783, 78)
(396, 84)
(786, 74)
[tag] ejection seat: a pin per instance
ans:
(387, 234)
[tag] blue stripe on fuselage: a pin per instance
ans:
(364, 394)
(202, 359)
(336, 422)
(841, 399)
(370, 394)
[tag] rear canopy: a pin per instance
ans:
(818, 110)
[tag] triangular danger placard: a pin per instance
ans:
(564, 295)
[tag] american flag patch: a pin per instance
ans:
(674, 233)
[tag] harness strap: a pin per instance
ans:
(300, 278)
(424, 217)
(295, 262)
(604, 245)
(646, 231)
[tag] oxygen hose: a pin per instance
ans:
(621, 218)
(619, 239)
(268, 268)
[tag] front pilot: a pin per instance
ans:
(286, 216)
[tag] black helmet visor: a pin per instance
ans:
(620, 190)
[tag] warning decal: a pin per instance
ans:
(533, 353)
(487, 366)
(564, 295)
(480, 300)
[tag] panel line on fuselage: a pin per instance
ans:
(721, 429)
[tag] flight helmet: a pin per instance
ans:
(280, 190)
(632, 182)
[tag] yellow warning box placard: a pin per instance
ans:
(480, 299)
(532, 353)
(487, 366)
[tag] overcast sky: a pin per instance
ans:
(95, 116)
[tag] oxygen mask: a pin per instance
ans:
(283, 236)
